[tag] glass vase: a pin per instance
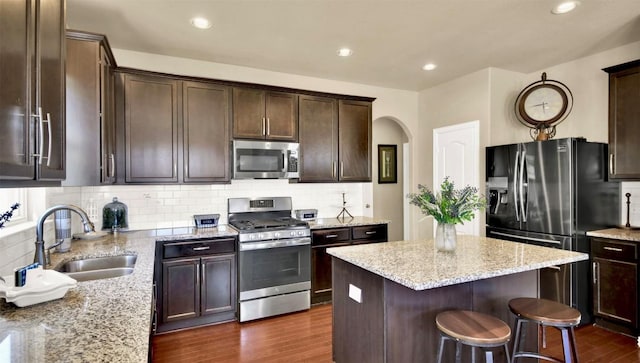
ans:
(446, 237)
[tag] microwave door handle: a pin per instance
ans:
(515, 185)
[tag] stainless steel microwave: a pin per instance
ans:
(265, 160)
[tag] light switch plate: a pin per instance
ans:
(355, 293)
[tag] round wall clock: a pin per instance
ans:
(542, 105)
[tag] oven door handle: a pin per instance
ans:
(262, 245)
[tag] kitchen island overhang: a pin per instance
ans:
(386, 296)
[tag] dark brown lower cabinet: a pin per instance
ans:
(321, 239)
(195, 288)
(615, 284)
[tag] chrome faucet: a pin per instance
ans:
(40, 250)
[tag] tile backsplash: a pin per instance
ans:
(165, 206)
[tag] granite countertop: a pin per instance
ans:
(321, 223)
(617, 233)
(106, 320)
(418, 266)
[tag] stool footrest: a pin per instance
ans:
(534, 355)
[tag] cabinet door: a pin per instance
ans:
(107, 120)
(321, 283)
(151, 129)
(624, 128)
(15, 115)
(354, 140)
(218, 284)
(50, 95)
(615, 294)
(83, 113)
(281, 110)
(180, 289)
(249, 121)
(318, 118)
(205, 119)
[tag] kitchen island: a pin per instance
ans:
(107, 320)
(386, 296)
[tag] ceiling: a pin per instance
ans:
(391, 39)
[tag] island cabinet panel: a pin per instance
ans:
(321, 239)
(264, 115)
(32, 92)
(624, 120)
(151, 129)
(615, 284)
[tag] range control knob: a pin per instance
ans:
(276, 234)
(292, 233)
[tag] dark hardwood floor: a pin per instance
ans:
(306, 337)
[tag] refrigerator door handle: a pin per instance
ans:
(532, 239)
(523, 207)
(515, 185)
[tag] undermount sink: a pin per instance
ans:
(97, 268)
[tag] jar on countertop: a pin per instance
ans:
(115, 216)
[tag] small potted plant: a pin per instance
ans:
(6, 216)
(448, 207)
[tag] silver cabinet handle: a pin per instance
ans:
(203, 248)
(268, 127)
(41, 131)
(333, 170)
(370, 232)
(204, 274)
(112, 160)
(198, 274)
(615, 249)
(264, 126)
(331, 236)
(594, 268)
(50, 138)
(341, 169)
(611, 159)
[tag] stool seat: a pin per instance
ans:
(476, 328)
(472, 329)
(545, 311)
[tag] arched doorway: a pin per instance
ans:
(389, 201)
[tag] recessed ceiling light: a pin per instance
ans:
(201, 23)
(429, 67)
(345, 52)
(565, 7)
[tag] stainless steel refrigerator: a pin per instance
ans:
(551, 193)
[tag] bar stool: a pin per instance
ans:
(472, 329)
(545, 313)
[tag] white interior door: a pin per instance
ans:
(456, 155)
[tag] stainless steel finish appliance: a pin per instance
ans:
(265, 160)
(274, 267)
(306, 214)
(551, 193)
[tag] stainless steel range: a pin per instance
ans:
(274, 265)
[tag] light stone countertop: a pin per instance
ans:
(617, 233)
(418, 266)
(106, 320)
(321, 223)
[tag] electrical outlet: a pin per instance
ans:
(355, 293)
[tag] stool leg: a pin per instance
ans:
(473, 354)
(517, 337)
(441, 348)
(488, 355)
(458, 351)
(567, 347)
(574, 347)
(506, 352)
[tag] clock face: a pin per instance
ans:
(543, 103)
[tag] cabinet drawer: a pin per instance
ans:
(615, 250)
(377, 232)
(198, 247)
(329, 236)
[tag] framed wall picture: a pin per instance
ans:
(387, 164)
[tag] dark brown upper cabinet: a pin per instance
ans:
(335, 140)
(175, 130)
(90, 113)
(624, 121)
(32, 95)
(205, 119)
(264, 115)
